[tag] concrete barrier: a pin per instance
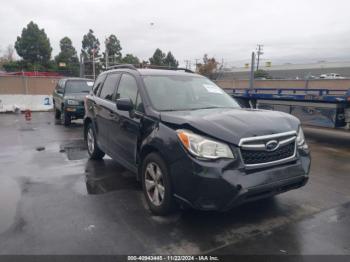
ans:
(12, 103)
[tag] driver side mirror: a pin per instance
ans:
(125, 104)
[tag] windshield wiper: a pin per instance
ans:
(208, 107)
(212, 107)
(196, 108)
(172, 110)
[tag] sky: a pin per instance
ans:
(297, 31)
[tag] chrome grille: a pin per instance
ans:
(260, 151)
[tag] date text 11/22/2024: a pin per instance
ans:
(173, 258)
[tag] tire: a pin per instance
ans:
(155, 179)
(94, 151)
(57, 114)
(65, 118)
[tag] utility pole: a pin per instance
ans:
(259, 52)
(187, 63)
(252, 103)
(197, 59)
(82, 69)
(93, 63)
(252, 66)
(106, 52)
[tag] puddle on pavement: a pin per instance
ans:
(101, 176)
(107, 175)
(10, 194)
(75, 150)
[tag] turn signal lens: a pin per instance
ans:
(184, 139)
(203, 147)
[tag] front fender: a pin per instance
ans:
(163, 140)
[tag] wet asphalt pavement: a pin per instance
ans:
(53, 200)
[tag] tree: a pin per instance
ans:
(113, 49)
(9, 53)
(209, 67)
(90, 49)
(261, 74)
(157, 58)
(130, 59)
(8, 57)
(11, 66)
(67, 60)
(90, 45)
(34, 46)
(170, 60)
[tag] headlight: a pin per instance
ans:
(204, 147)
(301, 139)
(72, 102)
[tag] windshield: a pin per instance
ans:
(79, 86)
(175, 93)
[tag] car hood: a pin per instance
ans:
(76, 96)
(231, 125)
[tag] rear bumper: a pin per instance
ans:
(223, 184)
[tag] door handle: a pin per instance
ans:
(114, 116)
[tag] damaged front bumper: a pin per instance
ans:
(225, 183)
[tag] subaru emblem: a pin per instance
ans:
(272, 145)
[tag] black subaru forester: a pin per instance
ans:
(189, 142)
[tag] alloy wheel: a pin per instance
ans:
(154, 184)
(90, 140)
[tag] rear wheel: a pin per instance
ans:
(94, 151)
(156, 185)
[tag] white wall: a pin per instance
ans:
(9, 103)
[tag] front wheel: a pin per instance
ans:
(65, 118)
(94, 151)
(156, 185)
(57, 114)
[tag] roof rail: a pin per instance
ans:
(136, 66)
(129, 66)
(167, 68)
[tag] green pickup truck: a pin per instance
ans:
(68, 98)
